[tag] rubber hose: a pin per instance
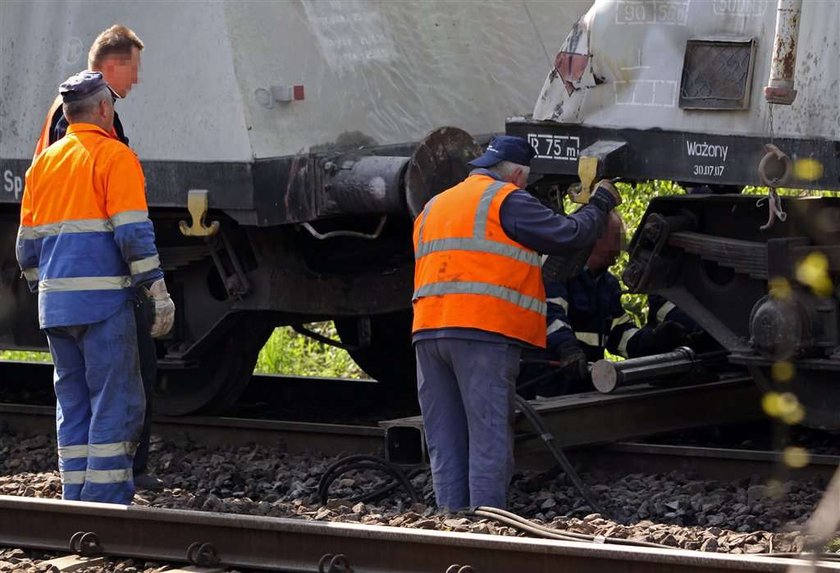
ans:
(561, 458)
(364, 461)
(521, 523)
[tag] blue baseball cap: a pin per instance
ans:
(84, 84)
(506, 148)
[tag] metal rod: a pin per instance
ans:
(779, 89)
(607, 376)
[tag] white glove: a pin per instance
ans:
(164, 309)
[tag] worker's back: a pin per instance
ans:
(68, 216)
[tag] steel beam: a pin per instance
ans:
(593, 418)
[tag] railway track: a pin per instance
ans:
(335, 439)
(597, 428)
(298, 546)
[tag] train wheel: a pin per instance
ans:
(220, 377)
(389, 359)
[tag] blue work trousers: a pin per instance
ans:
(100, 405)
(466, 392)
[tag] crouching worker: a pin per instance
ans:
(585, 317)
(85, 241)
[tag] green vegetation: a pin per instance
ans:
(288, 352)
(635, 201)
(25, 356)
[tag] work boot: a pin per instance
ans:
(147, 482)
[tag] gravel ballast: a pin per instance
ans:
(673, 509)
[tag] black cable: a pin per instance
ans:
(367, 462)
(539, 377)
(558, 454)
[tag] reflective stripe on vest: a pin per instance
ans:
(78, 226)
(559, 301)
(72, 452)
(477, 243)
(664, 310)
(83, 283)
(556, 325)
(625, 338)
(73, 477)
(107, 476)
(128, 217)
(590, 338)
(144, 265)
(112, 449)
(461, 287)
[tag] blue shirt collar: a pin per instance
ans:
(487, 172)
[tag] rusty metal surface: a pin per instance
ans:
(779, 88)
(298, 546)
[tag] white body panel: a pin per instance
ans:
(637, 48)
(376, 72)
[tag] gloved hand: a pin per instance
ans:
(164, 309)
(572, 360)
(606, 196)
(668, 335)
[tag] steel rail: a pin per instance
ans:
(41, 373)
(297, 546)
(296, 437)
(705, 462)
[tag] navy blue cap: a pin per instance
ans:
(506, 148)
(82, 85)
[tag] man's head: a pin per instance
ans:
(116, 53)
(609, 244)
(508, 157)
(88, 99)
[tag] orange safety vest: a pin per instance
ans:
(44, 140)
(56, 109)
(469, 273)
(85, 237)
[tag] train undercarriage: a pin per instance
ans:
(760, 278)
(325, 236)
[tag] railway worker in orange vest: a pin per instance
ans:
(116, 54)
(478, 300)
(84, 243)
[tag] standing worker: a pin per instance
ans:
(85, 242)
(115, 53)
(478, 299)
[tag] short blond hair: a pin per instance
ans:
(116, 40)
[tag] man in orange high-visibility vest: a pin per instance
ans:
(478, 300)
(115, 53)
(85, 243)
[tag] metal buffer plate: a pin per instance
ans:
(438, 163)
